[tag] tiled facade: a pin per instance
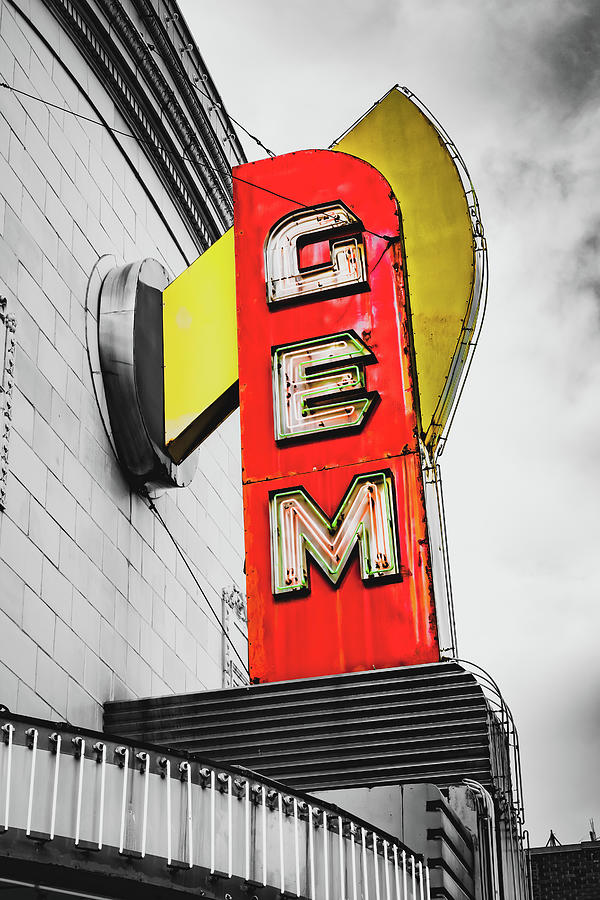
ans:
(95, 601)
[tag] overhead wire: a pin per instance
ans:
(152, 506)
(390, 239)
(217, 105)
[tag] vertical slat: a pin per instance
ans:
(230, 826)
(213, 801)
(376, 864)
(190, 823)
(296, 847)
(80, 744)
(124, 752)
(353, 858)
(326, 854)
(247, 830)
(100, 747)
(281, 860)
(311, 849)
(397, 874)
(404, 878)
(421, 891)
(145, 760)
(386, 869)
(427, 884)
(169, 825)
(364, 860)
(264, 832)
(413, 878)
(8, 729)
(57, 743)
(341, 854)
(33, 733)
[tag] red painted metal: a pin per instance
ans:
(353, 626)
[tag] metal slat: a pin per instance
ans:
(418, 723)
(378, 682)
(259, 698)
(409, 706)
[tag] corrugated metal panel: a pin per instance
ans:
(415, 724)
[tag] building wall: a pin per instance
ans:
(569, 872)
(95, 602)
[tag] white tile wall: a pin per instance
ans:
(95, 604)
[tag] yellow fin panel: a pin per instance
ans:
(200, 348)
(398, 139)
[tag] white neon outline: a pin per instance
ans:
(365, 516)
(346, 270)
(308, 402)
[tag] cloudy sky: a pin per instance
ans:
(517, 86)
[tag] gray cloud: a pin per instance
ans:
(570, 52)
(587, 262)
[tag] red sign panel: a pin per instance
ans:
(337, 558)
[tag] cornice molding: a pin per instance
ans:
(188, 181)
(158, 31)
(185, 126)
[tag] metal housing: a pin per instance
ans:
(131, 358)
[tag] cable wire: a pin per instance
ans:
(384, 237)
(217, 105)
(152, 506)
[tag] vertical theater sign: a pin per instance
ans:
(333, 491)
(340, 312)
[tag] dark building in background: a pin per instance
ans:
(566, 872)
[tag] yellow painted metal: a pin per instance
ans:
(200, 348)
(200, 339)
(402, 143)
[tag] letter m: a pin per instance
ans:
(366, 517)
